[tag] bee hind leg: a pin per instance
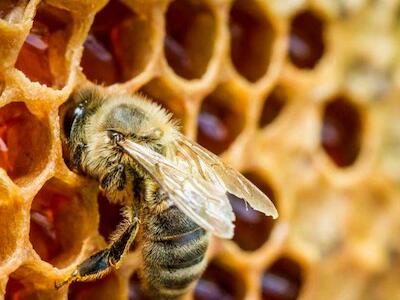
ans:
(101, 262)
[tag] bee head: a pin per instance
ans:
(95, 122)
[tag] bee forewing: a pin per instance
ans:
(212, 169)
(205, 204)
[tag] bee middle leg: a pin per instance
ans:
(101, 262)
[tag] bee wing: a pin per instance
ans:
(204, 203)
(198, 160)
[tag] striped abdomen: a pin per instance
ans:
(173, 249)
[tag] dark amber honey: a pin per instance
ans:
(341, 131)
(306, 41)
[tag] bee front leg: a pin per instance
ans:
(115, 179)
(101, 262)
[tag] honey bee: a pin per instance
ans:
(174, 191)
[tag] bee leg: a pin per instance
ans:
(121, 245)
(101, 262)
(116, 177)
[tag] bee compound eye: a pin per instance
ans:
(71, 115)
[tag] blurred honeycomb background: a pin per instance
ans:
(301, 96)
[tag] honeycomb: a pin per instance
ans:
(301, 96)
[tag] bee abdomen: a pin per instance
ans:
(173, 254)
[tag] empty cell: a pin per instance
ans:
(220, 120)
(252, 37)
(272, 106)
(57, 225)
(282, 281)
(42, 56)
(190, 35)
(119, 45)
(252, 228)
(7, 7)
(16, 290)
(108, 287)
(24, 141)
(20, 290)
(158, 92)
(218, 283)
(110, 217)
(341, 131)
(306, 41)
(135, 289)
